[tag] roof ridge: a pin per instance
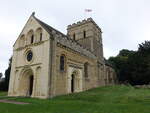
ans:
(48, 26)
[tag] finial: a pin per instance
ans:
(33, 13)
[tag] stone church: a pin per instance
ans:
(47, 63)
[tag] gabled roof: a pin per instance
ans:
(66, 41)
(47, 27)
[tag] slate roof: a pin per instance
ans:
(107, 63)
(66, 41)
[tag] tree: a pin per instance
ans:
(1, 75)
(4, 84)
(140, 64)
(144, 47)
(126, 53)
(120, 63)
(133, 66)
(7, 74)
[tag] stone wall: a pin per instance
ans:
(40, 59)
(110, 75)
(76, 61)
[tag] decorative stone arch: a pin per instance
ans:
(22, 41)
(30, 37)
(74, 83)
(39, 34)
(26, 52)
(26, 84)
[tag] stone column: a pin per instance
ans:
(52, 65)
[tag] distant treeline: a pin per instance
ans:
(133, 67)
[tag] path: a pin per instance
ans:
(12, 102)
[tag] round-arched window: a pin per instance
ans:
(29, 56)
(86, 69)
(62, 63)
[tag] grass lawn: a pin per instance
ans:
(110, 99)
(3, 93)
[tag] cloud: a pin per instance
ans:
(125, 23)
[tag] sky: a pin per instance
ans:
(125, 23)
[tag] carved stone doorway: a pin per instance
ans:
(26, 84)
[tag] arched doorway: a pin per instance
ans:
(72, 83)
(26, 83)
(31, 85)
(74, 80)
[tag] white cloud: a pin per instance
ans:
(125, 23)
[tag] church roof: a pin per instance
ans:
(66, 41)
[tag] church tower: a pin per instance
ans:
(89, 35)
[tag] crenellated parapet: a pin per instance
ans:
(79, 23)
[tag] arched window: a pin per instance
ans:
(86, 69)
(74, 36)
(84, 34)
(22, 41)
(30, 37)
(62, 63)
(39, 35)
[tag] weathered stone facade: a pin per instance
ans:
(47, 63)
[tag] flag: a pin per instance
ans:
(88, 10)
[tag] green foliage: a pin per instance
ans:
(7, 74)
(139, 66)
(126, 53)
(1, 75)
(144, 47)
(110, 99)
(4, 85)
(120, 63)
(133, 66)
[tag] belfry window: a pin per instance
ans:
(62, 63)
(32, 39)
(84, 34)
(74, 36)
